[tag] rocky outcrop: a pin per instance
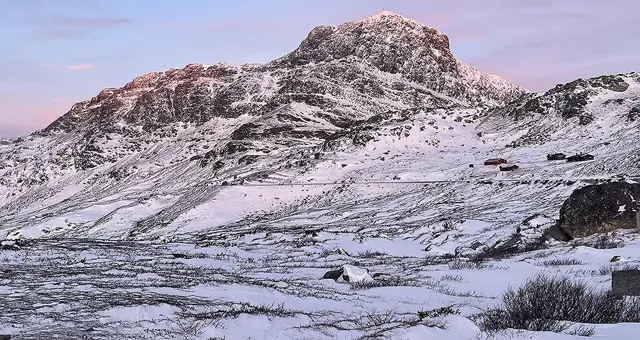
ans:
(568, 100)
(527, 236)
(597, 209)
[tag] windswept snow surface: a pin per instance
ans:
(256, 290)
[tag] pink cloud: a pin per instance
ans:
(74, 28)
(92, 22)
(79, 67)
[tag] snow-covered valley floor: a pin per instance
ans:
(128, 290)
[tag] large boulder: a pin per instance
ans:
(598, 208)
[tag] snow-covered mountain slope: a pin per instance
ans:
(597, 116)
(164, 143)
(606, 103)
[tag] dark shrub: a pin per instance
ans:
(550, 303)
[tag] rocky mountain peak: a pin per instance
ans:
(401, 47)
(366, 63)
(385, 39)
(386, 17)
(189, 72)
(383, 15)
(608, 102)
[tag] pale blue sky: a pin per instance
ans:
(57, 52)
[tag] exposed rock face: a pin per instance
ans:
(528, 236)
(596, 209)
(399, 46)
(569, 100)
(193, 94)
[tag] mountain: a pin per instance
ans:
(601, 102)
(4, 141)
(341, 70)
(166, 138)
(374, 115)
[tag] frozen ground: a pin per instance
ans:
(133, 290)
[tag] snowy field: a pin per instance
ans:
(127, 290)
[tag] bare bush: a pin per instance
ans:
(546, 303)
(583, 330)
(232, 311)
(382, 281)
(452, 292)
(561, 262)
(607, 270)
(370, 254)
(458, 265)
(449, 277)
(438, 312)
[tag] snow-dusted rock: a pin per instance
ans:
(535, 226)
(475, 248)
(598, 208)
(349, 273)
(9, 245)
